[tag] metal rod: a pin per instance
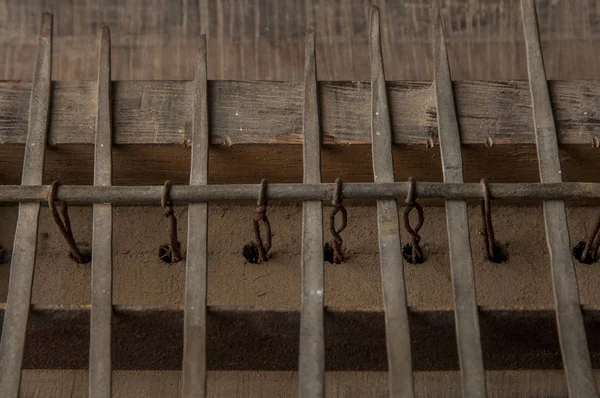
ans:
(12, 343)
(312, 335)
(100, 374)
(461, 263)
(194, 332)
(400, 375)
(151, 194)
(571, 332)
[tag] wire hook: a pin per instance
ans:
(336, 241)
(64, 225)
(174, 254)
(412, 251)
(493, 252)
(260, 214)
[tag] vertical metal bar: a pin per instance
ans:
(461, 263)
(312, 334)
(392, 265)
(194, 332)
(573, 342)
(101, 314)
(23, 258)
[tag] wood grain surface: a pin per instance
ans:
(264, 39)
(159, 112)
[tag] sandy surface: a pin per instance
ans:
(141, 278)
(285, 384)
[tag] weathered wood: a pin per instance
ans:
(159, 112)
(264, 39)
(256, 339)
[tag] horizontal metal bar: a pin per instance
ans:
(260, 339)
(151, 194)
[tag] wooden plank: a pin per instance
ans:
(461, 261)
(263, 40)
(388, 229)
(260, 339)
(311, 363)
(158, 112)
(569, 320)
(152, 165)
(14, 327)
(100, 384)
(193, 377)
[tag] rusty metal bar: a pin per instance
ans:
(194, 333)
(14, 328)
(151, 194)
(311, 363)
(461, 263)
(101, 312)
(400, 376)
(571, 332)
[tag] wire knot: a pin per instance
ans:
(413, 251)
(590, 250)
(260, 214)
(64, 225)
(338, 207)
(492, 251)
(174, 254)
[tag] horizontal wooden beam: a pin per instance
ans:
(254, 112)
(259, 339)
(153, 164)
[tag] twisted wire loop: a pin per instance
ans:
(167, 205)
(492, 251)
(591, 250)
(338, 207)
(416, 254)
(260, 214)
(64, 225)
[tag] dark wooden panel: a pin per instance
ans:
(254, 339)
(153, 164)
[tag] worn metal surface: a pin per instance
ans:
(194, 334)
(311, 364)
(151, 194)
(392, 268)
(23, 257)
(261, 339)
(100, 379)
(461, 263)
(573, 342)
